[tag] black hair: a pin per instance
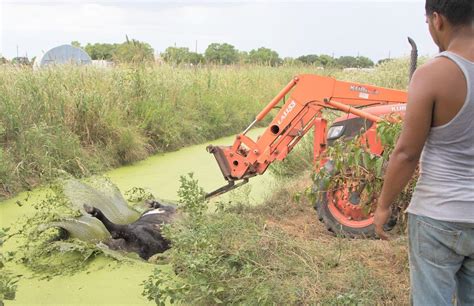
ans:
(457, 12)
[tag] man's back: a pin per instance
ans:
(439, 126)
(445, 188)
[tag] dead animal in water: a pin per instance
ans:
(142, 236)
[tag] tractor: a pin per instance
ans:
(303, 101)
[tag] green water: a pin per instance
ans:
(107, 282)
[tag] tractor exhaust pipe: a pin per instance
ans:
(413, 56)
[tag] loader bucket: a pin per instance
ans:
(221, 159)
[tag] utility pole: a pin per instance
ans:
(196, 47)
(16, 50)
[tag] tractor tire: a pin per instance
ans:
(337, 223)
(334, 226)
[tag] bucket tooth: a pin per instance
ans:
(230, 186)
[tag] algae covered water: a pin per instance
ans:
(106, 281)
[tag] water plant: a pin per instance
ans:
(8, 281)
(59, 238)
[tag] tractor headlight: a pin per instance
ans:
(335, 131)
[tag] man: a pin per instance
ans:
(439, 121)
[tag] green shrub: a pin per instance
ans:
(355, 166)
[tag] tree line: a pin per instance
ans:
(227, 54)
(216, 53)
(134, 51)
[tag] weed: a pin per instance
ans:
(191, 197)
(138, 194)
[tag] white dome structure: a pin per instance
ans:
(65, 54)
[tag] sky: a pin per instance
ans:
(373, 28)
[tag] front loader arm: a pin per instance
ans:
(310, 94)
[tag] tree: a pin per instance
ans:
(76, 44)
(354, 62)
(177, 55)
(243, 57)
(21, 61)
(384, 60)
(346, 61)
(364, 62)
(221, 54)
(310, 59)
(133, 51)
(264, 56)
(100, 51)
(195, 58)
(326, 60)
(290, 61)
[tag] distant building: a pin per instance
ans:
(359, 69)
(102, 63)
(65, 54)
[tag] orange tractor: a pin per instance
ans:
(308, 96)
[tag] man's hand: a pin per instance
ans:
(382, 214)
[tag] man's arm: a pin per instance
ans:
(404, 159)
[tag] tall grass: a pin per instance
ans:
(85, 119)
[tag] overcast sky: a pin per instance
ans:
(373, 28)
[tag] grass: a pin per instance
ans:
(84, 120)
(277, 253)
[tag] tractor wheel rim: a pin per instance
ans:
(346, 213)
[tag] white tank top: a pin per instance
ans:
(445, 188)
